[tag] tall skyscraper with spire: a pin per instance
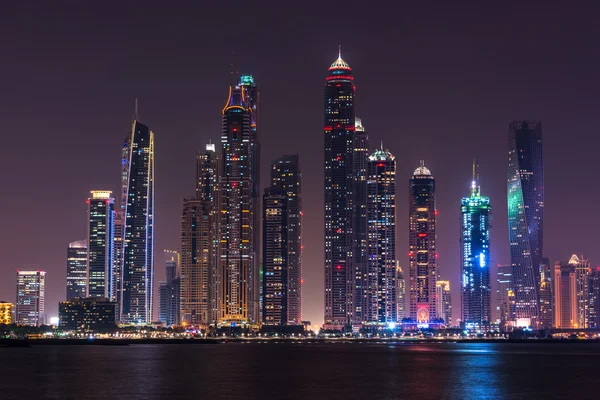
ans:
(381, 213)
(339, 132)
(476, 214)
(238, 292)
(363, 280)
(137, 275)
(422, 256)
(526, 216)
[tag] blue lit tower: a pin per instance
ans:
(382, 237)
(138, 233)
(238, 292)
(339, 135)
(422, 257)
(101, 214)
(476, 214)
(526, 215)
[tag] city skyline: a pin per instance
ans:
(478, 134)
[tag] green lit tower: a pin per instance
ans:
(476, 213)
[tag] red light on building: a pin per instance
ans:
(410, 253)
(422, 235)
(339, 267)
(436, 212)
(302, 281)
(234, 184)
(436, 255)
(339, 158)
(381, 165)
(339, 230)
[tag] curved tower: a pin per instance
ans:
(422, 257)
(339, 128)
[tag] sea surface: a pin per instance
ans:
(302, 371)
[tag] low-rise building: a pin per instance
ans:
(87, 315)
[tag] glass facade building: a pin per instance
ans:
(31, 292)
(77, 254)
(169, 295)
(444, 301)
(101, 214)
(137, 294)
(88, 315)
(525, 193)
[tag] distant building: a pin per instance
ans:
(169, 295)
(594, 298)
(565, 296)
(400, 293)
(506, 304)
(77, 269)
(583, 271)
(101, 217)
(546, 304)
(30, 297)
(6, 312)
(364, 299)
(525, 191)
(87, 314)
(443, 300)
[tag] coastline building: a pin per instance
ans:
(137, 275)
(444, 301)
(505, 297)
(6, 312)
(565, 295)
(400, 293)
(286, 177)
(381, 216)
(476, 214)
(594, 298)
(169, 295)
(364, 307)
(525, 191)
(423, 267)
(239, 217)
(77, 257)
(583, 271)
(92, 314)
(31, 293)
(100, 262)
(339, 139)
(546, 304)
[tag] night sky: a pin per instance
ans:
(435, 82)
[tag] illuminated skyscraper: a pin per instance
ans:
(339, 131)
(582, 273)
(31, 292)
(120, 220)
(526, 216)
(545, 294)
(6, 312)
(239, 206)
(594, 298)
(77, 256)
(286, 176)
(101, 216)
(476, 214)
(422, 256)
(400, 293)
(506, 310)
(138, 245)
(169, 295)
(365, 280)
(381, 212)
(565, 295)
(444, 301)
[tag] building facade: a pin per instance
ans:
(422, 256)
(238, 291)
(6, 312)
(381, 217)
(101, 214)
(92, 314)
(565, 296)
(400, 293)
(169, 295)
(525, 192)
(31, 293)
(339, 135)
(77, 256)
(444, 301)
(583, 271)
(505, 297)
(546, 302)
(364, 308)
(286, 176)
(594, 298)
(476, 215)
(137, 294)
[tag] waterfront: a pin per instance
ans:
(302, 370)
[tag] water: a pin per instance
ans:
(302, 371)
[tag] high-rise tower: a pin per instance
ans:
(101, 216)
(476, 214)
(422, 257)
(364, 281)
(339, 131)
(31, 293)
(138, 236)
(526, 215)
(381, 211)
(239, 206)
(286, 176)
(77, 255)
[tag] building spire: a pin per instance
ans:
(382, 145)
(339, 52)
(475, 188)
(135, 109)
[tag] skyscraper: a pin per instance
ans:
(239, 206)
(546, 303)
(6, 312)
(339, 132)
(77, 256)
(443, 299)
(476, 214)
(101, 214)
(594, 298)
(138, 243)
(169, 295)
(422, 257)
(381, 214)
(365, 280)
(565, 296)
(582, 273)
(506, 309)
(31, 293)
(526, 215)
(120, 221)
(286, 176)
(196, 261)
(400, 293)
